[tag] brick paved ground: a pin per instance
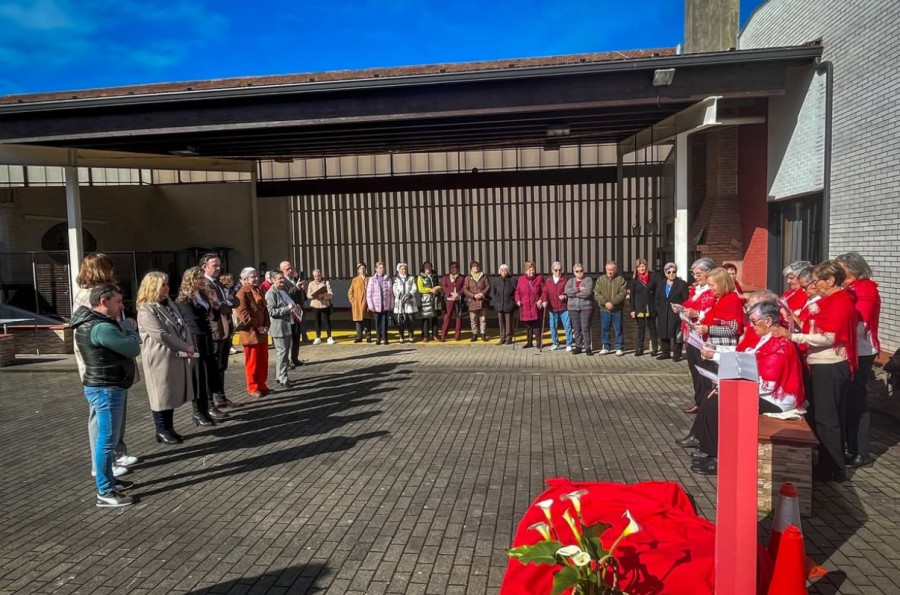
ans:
(398, 469)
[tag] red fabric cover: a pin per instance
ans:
(702, 303)
(778, 364)
(837, 314)
(673, 553)
(528, 293)
(868, 304)
(552, 291)
(795, 298)
(728, 308)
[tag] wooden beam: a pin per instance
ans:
(11, 154)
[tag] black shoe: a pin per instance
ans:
(287, 384)
(575, 351)
(484, 338)
(677, 359)
(708, 466)
(527, 345)
(588, 352)
(200, 419)
(664, 356)
(689, 441)
(857, 461)
(698, 454)
(473, 339)
(378, 342)
(215, 414)
(168, 437)
(368, 339)
(638, 353)
(123, 486)
(654, 353)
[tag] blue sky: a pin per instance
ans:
(51, 45)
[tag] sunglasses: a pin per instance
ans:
(671, 272)
(579, 271)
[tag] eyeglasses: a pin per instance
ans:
(698, 273)
(671, 272)
(757, 321)
(579, 271)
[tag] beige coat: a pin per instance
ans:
(312, 287)
(357, 297)
(168, 376)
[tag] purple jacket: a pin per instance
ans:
(528, 293)
(379, 294)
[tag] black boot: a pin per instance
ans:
(359, 333)
(215, 413)
(201, 417)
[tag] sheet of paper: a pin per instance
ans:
(737, 365)
(695, 340)
(686, 319)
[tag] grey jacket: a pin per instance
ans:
(580, 300)
(279, 314)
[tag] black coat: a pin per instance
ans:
(196, 318)
(642, 295)
(503, 294)
(667, 321)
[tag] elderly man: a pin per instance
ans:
(609, 292)
(222, 326)
(296, 290)
(281, 309)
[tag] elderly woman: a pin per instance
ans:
(795, 296)
(166, 354)
(579, 291)
(557, 309)
(700, 300)
(380, 301)
(358, 307)
(97, 269)
(477, 289)
(530, 300)
(196, 309)
(253, 328)
(867, 300)
(455, 306)
(780, 382)
(429, 286)
(668, 292)
(281, 308)
(504, 302)
(831, 356)
(320, 295)
(642, 306)
(405, 303)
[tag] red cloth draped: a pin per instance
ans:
(868, 304)
(795, 298)
(701, 303)
(779, 369)
(749, 339)
(727, 308)
(673, 553)
(836, 314)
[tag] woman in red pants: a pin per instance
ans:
(253, 333)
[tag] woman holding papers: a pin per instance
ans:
(165, 354)
(320, 296)
(700, 300)
(780, 382)
(831, 355)
(195, 306)
(282, 311)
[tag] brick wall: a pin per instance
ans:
(861, 39)
(753, 205)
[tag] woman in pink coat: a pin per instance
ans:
(531, 301)
(380, 299)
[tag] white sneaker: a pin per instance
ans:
(114, 500)
(569, 348)
(554, 347)
(330, 340)
(317, 342)
(619, 352)
(127, 460)
(118, 471)
(603, 351)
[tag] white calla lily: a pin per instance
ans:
(545, 506)
(575, 498)
(542, 528)
(632, 527)
(581, 559)
(569, 551)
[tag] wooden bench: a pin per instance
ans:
(785, 454)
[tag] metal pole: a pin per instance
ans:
(681, 206)
(73, 213)
(254, 216)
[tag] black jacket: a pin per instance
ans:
(196, 318)
(642, 295)
(503, 294)
(103, 367)
(667, 321)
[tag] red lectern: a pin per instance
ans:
(736, 533)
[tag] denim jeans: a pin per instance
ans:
(613, 319)
(555, 319)
(108, 403)
(121, 448)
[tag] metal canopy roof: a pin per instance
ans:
(588, 102)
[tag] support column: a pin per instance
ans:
(619, 212)
(73, 215)
(254, 215)
(680, 238)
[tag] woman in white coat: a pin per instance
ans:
(406, 305)
(166, 354)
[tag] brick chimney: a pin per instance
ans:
(710, 25)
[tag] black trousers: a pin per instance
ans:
(221, 353)
(381, 326)
(858, 420)
(702, 385)
(706, 426)
(643, 324)
(205, 379)
(296, 331)
(533, 332)
(323, 318)
(827, 394)
(505, 320)
(405, 324)
(363, 328)
(428, 330)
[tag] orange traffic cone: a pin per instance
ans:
(790, 575)
(787, 512)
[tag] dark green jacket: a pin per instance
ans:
(610, 290)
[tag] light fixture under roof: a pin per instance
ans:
(188, 151)
(663, 77)
(558, 130)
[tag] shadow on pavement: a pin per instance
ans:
(295, 579)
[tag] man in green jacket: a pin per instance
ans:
(609, 291)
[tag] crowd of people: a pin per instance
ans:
(814, 345)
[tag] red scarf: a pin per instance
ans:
(728, 308)
(645, 278)
(836, 314)
(868, 304)
(795, 298)
(779, 369)
(749, 340)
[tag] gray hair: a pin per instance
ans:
(246, 272)
(555, 264)
(763, 295)
(804, 274)
(795, 267)
(274, 275)
(670, 266)
(503, 266)
(766, 309)
(402, 264)
(314, 271)
(856, 264)
(704, 264)
(577, 265)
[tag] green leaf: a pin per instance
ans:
(543, 552)
(566, 578)
(596, 530)
(590, 541)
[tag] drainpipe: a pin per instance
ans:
(827, 68)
